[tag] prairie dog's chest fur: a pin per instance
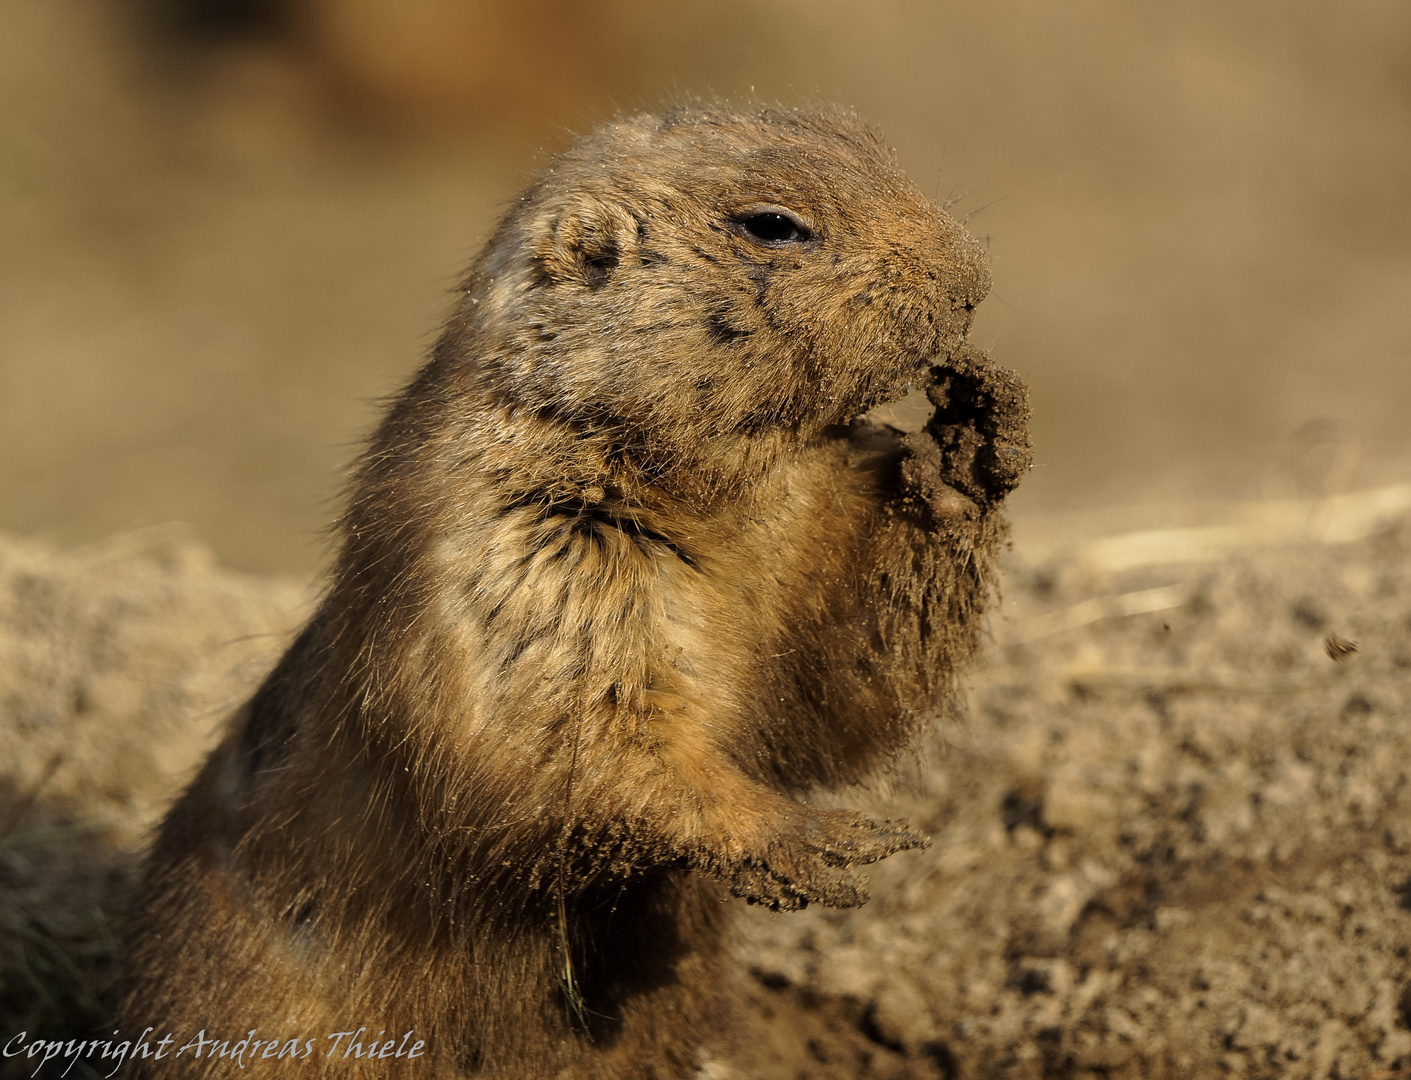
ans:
(659, 607)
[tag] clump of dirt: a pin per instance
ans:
(1172, 822)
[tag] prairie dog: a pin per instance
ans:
(621, 577)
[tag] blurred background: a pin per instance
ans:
(229, 227)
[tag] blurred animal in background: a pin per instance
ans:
(457, 68)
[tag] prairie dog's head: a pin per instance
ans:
(706, 273)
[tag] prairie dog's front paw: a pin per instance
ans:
(980, 429)
(807, 859)
(925, 471)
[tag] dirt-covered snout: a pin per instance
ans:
(883, 294)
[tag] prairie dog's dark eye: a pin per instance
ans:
(773, 226)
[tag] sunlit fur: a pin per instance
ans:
(618, 583)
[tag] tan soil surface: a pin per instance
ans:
(1172, 833)
(118, 665)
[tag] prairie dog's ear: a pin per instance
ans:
(590, 239)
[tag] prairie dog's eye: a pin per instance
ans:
(773, 226)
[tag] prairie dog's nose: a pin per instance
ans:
(970, 275)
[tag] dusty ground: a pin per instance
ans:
(118, 663)
(1172, 833)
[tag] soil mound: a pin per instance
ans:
(1172, 822)
(118, 665)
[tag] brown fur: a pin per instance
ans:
(618, 583)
